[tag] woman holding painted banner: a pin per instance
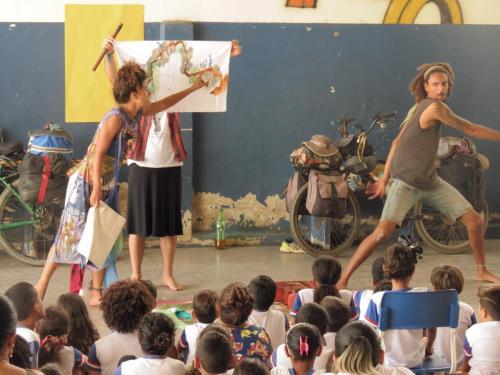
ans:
(94, 178)
(154, 189)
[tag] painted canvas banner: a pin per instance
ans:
(172, 66)
(88, 94)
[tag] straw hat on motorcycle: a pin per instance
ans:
(321, 145)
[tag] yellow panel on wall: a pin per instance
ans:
(88, 94)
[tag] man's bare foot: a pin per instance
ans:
(483, 274)
(172, 284)
(136, 276)
(95, 296)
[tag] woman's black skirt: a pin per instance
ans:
(154, 201)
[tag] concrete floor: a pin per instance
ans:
(204, 267)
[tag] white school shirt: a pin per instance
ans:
(329, 338)
(106, 352)
(152, 365)
(361, 299)
(274, 322)
(33, 341)
(482, 342)
(159, 152)
(466, 319)
(280, 359)
(403, 347)
(191, 333)
(307, 295)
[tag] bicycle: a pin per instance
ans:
(330, 235)
(27, 230)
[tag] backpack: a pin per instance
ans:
(42, 173)
(465, 173)
(52, 139)
(294, 185)
(327, 195)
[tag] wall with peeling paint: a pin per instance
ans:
(293, 80)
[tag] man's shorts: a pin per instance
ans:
(444, 198)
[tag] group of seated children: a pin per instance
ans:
(238, 331)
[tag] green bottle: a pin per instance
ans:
(220, 230)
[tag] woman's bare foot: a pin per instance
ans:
(482, 274)
(171, 283)
(95, 296)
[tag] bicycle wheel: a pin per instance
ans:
(24, 235)
(440, 232)
(320, 236)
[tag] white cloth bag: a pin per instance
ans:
(101, 231)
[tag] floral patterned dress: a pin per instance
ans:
(251, 341)
(77, 201)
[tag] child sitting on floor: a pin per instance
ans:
(29, 307)
(339, 313)
(358, 350)
(403, 347)
(303, 346)
(450, 277)
(124, 304)
(249, 340)
(204, 312)
(326, 271)
(263, 290)
(315, 314)
(82, 332)
(482, 340)
(156, 335)
(214, 352)
(53, 330)
(361, 298)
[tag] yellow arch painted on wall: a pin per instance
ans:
(406, 11)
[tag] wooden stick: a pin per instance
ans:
(104, 50)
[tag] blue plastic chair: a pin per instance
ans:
(419, 310)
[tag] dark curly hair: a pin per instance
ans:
(400, 261)
(156, 334)
(236, 304)
(447, 277)
(82, 332)
(205, 306)
(417, 85)
(339, 312)
(263, 290)
(129, 79)
(55, 324)
(326, 271)
(124, 304)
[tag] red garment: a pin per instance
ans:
(137, 147)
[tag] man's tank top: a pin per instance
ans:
(414, 160)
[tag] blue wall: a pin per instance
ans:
(279, 90)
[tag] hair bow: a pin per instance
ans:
(303, 346)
